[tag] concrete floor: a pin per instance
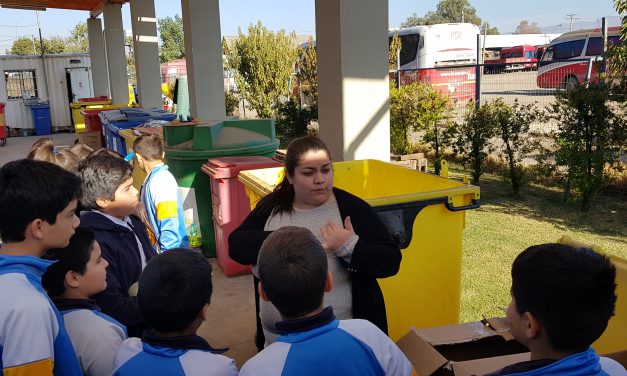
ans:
(231, 320)
(18, 147)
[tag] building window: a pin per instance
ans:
(21, 84)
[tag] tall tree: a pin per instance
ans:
(307, 72)
(524, 27)
(172, 42)
(130, 61)
(447, 11)
(263, 62)
(30, 46)
(486, 29)
(78, 40)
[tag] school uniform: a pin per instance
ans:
(126, 247)
(322, 345)
(162, 199)
(172, 356)
(586, 363)
(33, 339)
(95, 336)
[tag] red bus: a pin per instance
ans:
(514, 58)
(565, 62)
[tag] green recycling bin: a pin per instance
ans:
(189, 146)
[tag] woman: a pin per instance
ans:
(359, 247)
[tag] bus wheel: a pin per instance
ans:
(570, 83)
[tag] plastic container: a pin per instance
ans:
(3, 126)
(41, 119)
(83, 104)
(425, 215)
(188, 147)
(114, 121)
(230, 204)
(614, 339)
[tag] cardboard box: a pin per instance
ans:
(92, 139)
(474, 348)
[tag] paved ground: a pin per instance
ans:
(231, 320)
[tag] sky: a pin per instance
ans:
(299, 15)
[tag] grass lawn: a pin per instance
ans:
(506, 224)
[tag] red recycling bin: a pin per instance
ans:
(230, 202)
(92, 120)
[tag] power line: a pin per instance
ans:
(571, 17)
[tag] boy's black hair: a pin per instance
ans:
(173, 289)
(102, 175)
(293, 271)
(74, 258)
(149, 146)
(31, 190)
(571, 291)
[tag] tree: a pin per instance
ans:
(592, 135)
(172, 41)
(25, 46)
(486, 29)
(263, 62)
(130, 61)
(447, 11)
(307, 72)
(395, 47)
(78, 40)
(527, 28)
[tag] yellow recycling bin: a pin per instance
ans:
(425, 215)
(129, 136)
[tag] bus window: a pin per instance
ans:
(409, 48)
(595, 47)
(548, 54)
(529, 54)
(568, 50)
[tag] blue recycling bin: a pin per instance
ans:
(114, 121)
(41, 118)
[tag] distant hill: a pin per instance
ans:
(578, 25)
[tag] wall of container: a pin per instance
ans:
(18, 114)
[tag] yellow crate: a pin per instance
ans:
(426, 291)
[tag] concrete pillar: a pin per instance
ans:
(353, 88)
(116, 53)
(146, 50)
(99, 73)
(203, 53)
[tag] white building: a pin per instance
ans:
(66, 78)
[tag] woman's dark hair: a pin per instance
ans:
(280, 200)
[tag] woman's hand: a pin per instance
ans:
(334, 236)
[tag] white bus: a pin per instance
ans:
(426, 50)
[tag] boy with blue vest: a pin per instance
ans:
(78, 273)
(110, 202)
(160, 194)
(37, 205)
(294, 276)
(174, 295)
(562, 300)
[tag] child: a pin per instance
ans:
(294, 277)
(79, 273)
(160, 194)
(562, 300)
(110, 201)
(174, 296)
(37, 204)
(45, 150)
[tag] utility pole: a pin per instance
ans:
(571, 17)
(462, 15)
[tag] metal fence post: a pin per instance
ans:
(478, 73)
